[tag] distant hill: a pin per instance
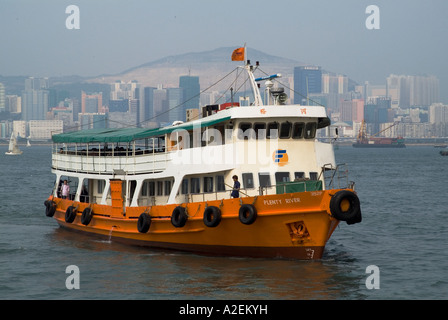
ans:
(210, 66)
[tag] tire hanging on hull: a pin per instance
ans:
(179, 217)
(70, 214)
(50, 208)
(345, 206)
(247, 214)
(144, 223)
(212, 216)
(86, 216)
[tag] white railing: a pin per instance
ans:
(109, 164)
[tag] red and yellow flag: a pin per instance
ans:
(238, 54)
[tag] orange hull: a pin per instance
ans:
(294, 225)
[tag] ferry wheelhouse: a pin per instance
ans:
(170, 187)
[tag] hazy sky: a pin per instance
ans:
(115, 35)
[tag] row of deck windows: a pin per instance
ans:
(196, 185)
(217, 184)
(186, 139)
(275, 130)
(265, 179)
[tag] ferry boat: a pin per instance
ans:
(171, 187)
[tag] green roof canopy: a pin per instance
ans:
(127, 134)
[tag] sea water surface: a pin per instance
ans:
(404, 232)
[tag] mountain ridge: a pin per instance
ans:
(208, 65)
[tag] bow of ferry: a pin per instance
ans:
(170, 187)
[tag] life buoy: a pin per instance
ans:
(50, 208)
(247, 214)
(179, 217)
(86, 216)
(212, 216)
(70, 214)
(143, 223)
(344, 206)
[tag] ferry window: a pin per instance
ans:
(285, 130)
(220, 185)
(313, 175)
(265, 179)
(152, 188)
(297, 130)
(184, 188)
(212, 136)
(84, 196)
(167, 187)
(100, 186)
(281, 177)
(220, 138)
(160, 144)
(310, 130)
(159, 188)
(245, 131)
(248, 180)
(299, 175)
(272, 132)
(133, 185)
(144, 191)
(208, 184)
(260, 130)
(228, 132)
(195, 185)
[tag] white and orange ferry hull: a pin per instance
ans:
(295, 225)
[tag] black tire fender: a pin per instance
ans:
(179, 217)
(50, 208)
(86, 216)
(70, 214)
(247, 214)
(212, 216)
(352, 214)
(143, 223)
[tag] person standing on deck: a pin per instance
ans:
(65, 190)
(236, 187)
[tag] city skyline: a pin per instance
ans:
(114, 36)
(410, 100)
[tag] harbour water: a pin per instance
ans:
(404, 233)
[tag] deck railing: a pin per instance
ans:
(108, 162)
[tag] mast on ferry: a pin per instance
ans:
(240, 55)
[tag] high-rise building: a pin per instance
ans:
(307, 80)
(35, 99)
(334, 83)
(160, 104)
(192, 89)
(93, 121)
(36, 83)
(176, 105)
(121, 105)
(148, 104)
(34, 104)
(13, 103)
(2, 98)
(91, 103)
(124, 90)
(406, 91)
(438, 113)
(352, 110)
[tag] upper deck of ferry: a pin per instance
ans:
(142, 150)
